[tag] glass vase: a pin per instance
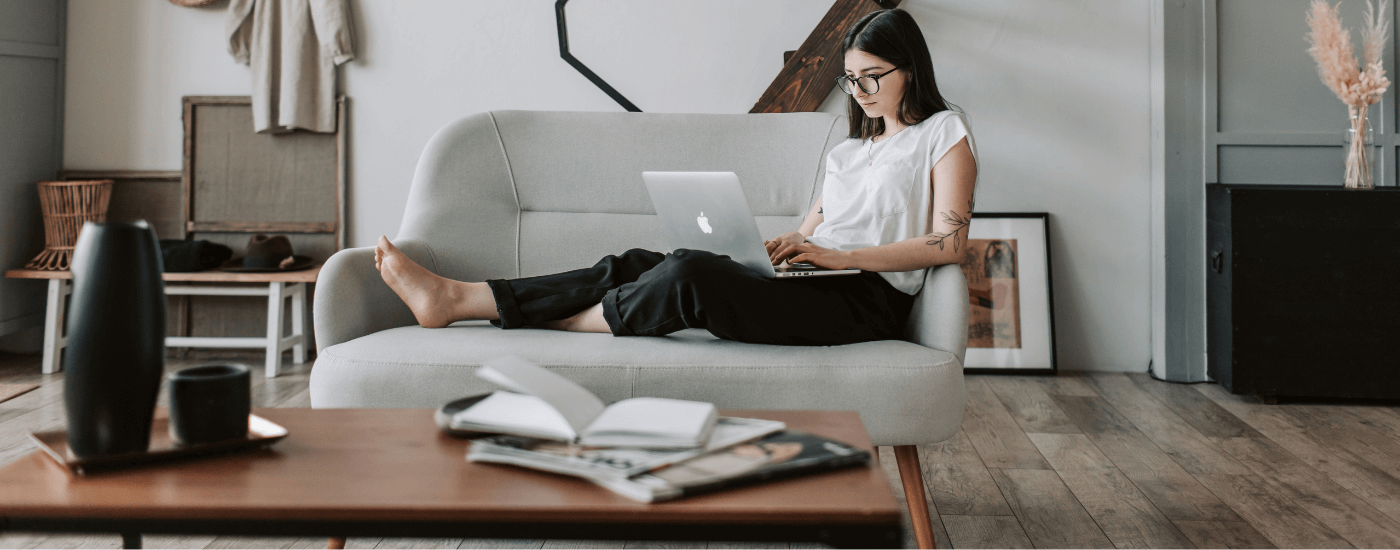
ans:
(1360, 151)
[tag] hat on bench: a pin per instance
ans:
(268, 253)
(182, 256)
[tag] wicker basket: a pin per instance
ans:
(67, 205)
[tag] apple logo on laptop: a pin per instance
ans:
(704, 223)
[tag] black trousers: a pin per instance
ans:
(646, 293)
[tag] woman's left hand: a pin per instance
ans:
(821, 257)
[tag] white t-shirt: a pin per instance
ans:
(890, 199)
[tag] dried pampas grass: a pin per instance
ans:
(1358, 84)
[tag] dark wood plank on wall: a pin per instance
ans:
(808, 75)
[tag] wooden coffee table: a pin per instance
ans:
(391, 473)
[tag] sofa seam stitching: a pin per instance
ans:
(510, 171)
(432, 256)
(821, 159)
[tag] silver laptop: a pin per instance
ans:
(708, 211)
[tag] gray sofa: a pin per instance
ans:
(516, 193)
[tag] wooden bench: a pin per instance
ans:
(279, 287)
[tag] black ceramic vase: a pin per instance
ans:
(116, 339)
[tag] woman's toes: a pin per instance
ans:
(386, 246)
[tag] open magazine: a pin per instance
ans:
(610, 462)
(780, 455)
(545, 405)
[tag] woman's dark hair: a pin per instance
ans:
(892, 35)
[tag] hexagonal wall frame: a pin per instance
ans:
(578, 65)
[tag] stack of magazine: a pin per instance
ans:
(647, 449)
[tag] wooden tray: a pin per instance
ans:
(261, 433)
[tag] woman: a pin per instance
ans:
(896, 201)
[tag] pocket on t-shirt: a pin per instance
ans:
(889, 187)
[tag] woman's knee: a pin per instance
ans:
(697, 266)
(636, 259)
(640, 254)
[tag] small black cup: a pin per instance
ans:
(209, 403)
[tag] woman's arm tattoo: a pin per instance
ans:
(958, 221)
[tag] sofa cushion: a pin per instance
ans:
(490, 184)
(905, 393)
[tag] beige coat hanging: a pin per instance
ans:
(293, 47)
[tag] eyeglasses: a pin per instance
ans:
(870, 85)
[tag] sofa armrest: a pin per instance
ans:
(939, 317)
(352, 299)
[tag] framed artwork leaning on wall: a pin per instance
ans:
(1011, 321)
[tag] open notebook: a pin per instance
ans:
(548, 406)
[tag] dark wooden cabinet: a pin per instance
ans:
(1303, 290)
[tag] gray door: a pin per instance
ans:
(31, 143)
(1243, 104)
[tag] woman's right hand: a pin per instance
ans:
(781, 247)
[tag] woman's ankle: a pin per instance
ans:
(478, 302)
(588, 320)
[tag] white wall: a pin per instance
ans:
(1058, 95)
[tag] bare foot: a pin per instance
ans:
(588, 320)
(435, 301)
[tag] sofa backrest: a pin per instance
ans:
(520, 193)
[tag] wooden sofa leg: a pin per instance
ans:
(907, 457)
(335, 543)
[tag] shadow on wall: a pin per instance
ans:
(1059, 100)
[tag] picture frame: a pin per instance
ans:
(1011, 315)
(291, 182)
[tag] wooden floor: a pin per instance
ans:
(1076, 461)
